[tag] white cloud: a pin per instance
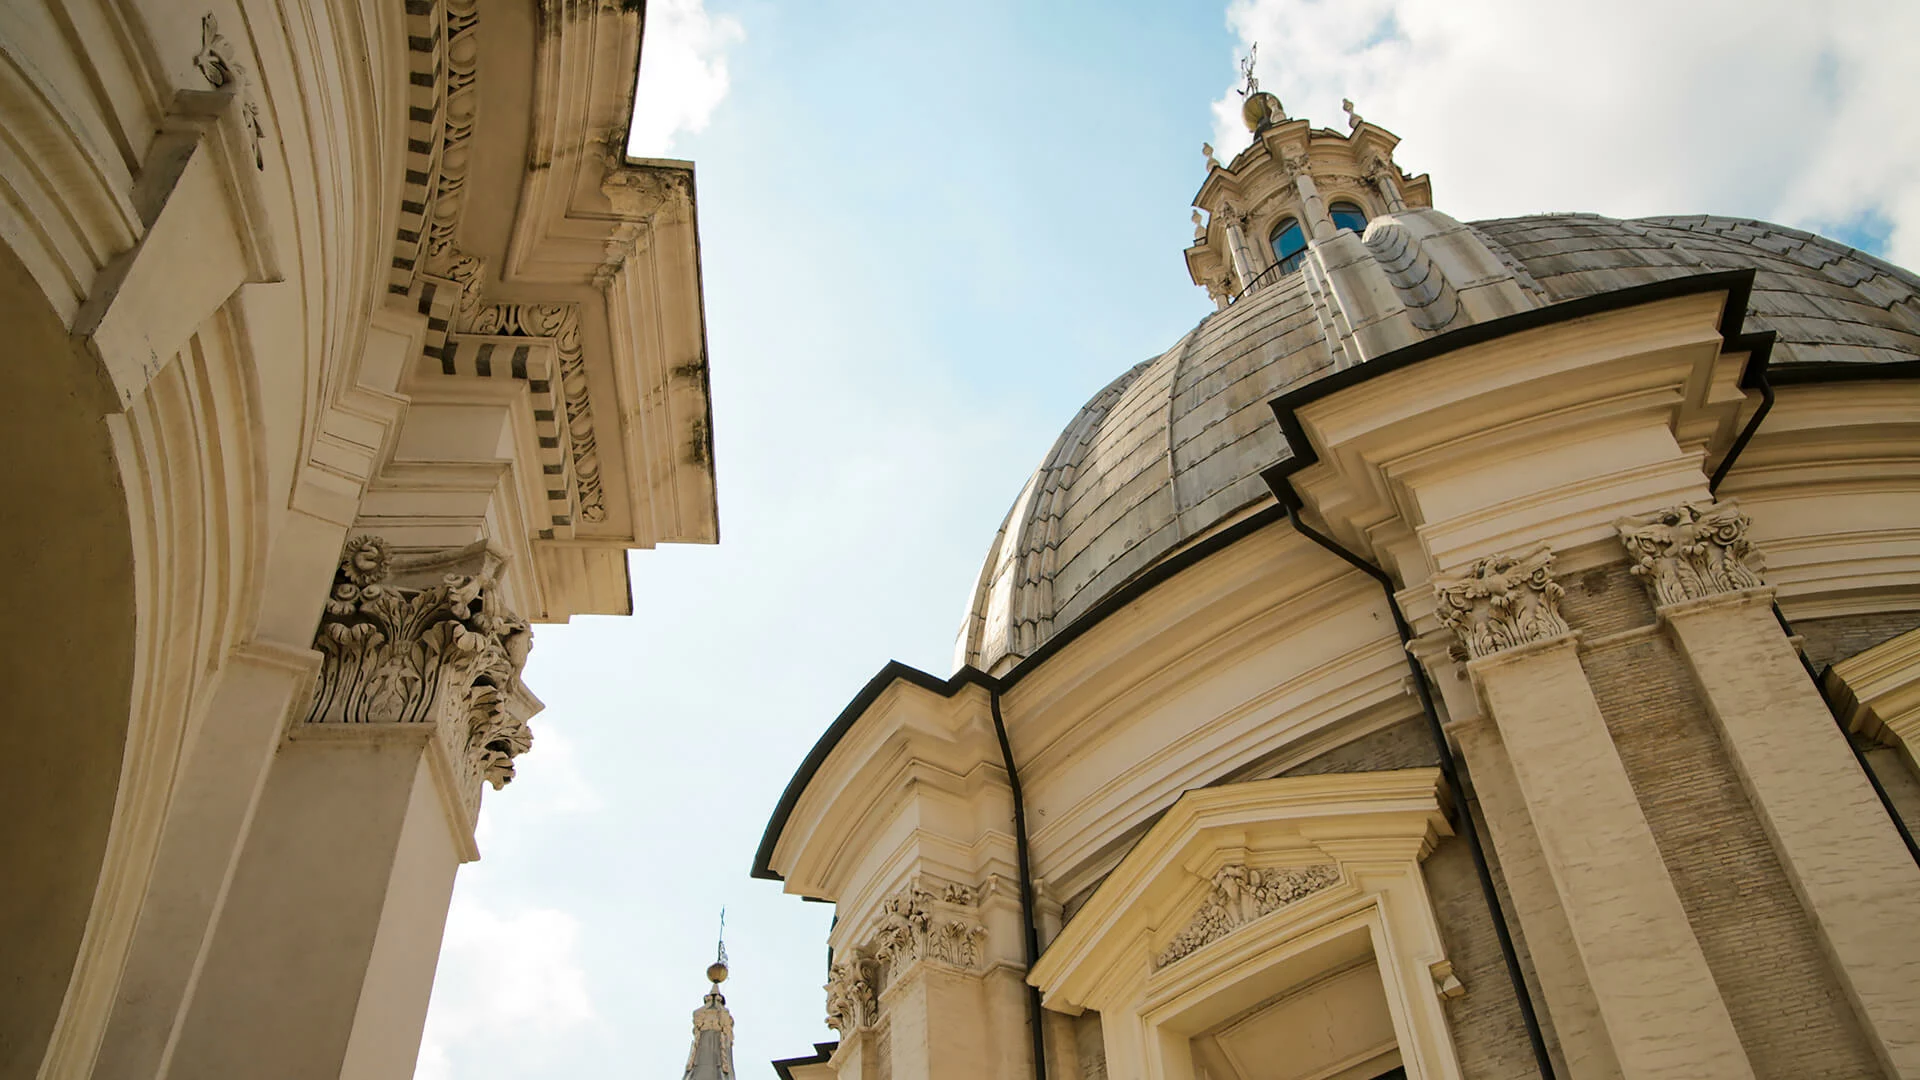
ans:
(1773, 108)
(518, 973)
(683, 73)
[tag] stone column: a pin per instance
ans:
(323, 957)
(1661, 1007)
(1244, 264)
(1846, 861)
(1387, 179)
(1313, 209)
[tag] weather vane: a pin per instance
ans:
(1246, 71)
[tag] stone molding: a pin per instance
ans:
(1240, 894)
(1691, 551)
(443, 654)
(914, 924)
(559, 324)
(1502, 601)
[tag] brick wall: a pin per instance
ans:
(1831, 640)
(1786, 1004)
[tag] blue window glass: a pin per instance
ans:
(1348, 216)
(1289, 245)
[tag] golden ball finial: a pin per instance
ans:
(716, 973)
(1261, 110)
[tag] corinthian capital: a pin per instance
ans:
(407, 642)
(1502, 601)
(1689, 551)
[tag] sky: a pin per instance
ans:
(928, 234)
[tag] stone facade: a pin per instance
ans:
(1248, 831)
(338, 370)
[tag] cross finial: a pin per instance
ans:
(722, 959)
(1246, 71)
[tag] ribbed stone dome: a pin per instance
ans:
(1171, 451)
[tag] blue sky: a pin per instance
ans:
(929, 233)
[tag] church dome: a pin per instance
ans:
(1171, 451)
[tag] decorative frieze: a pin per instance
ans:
(1240, 894)
(1502, 601)
(445, 654)
(1690, 551)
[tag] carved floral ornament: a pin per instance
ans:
(1240, 894)
(915, 924)
(444, 654)
(1502, 601)
(220, 67)
(1691, 551)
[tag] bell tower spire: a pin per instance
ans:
(711, 1057)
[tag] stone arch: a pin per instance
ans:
(67, 650)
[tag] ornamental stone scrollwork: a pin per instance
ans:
(1240, 894)
(852, 994)
(1690, 551)
(915, 924)
(218, 65)
(561, 323)
(1502, 601)
(445, 654)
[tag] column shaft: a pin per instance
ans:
(323, 958)
(1845, 860)
(1661, 1007)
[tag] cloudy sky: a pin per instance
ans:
(929, 232)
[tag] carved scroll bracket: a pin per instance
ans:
(1691, 551)
(1502, 601)
(422, 640)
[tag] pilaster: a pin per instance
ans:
(1845, 860)
(323, 956)
(922, 981)
(1661, 1007)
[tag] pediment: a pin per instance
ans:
(1229, 858)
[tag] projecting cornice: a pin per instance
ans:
(541, 257)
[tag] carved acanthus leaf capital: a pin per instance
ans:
(852, 994)
(915, 924)
(1690, 551)
(445, 653)
(1502, 601)
(1239, 894)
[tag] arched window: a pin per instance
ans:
(1348, 216)
(1289, 245)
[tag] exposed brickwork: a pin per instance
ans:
(1605, 600)
(1785, 1003)
(1488, 1034)
(1830, 641)
(1405, 745)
